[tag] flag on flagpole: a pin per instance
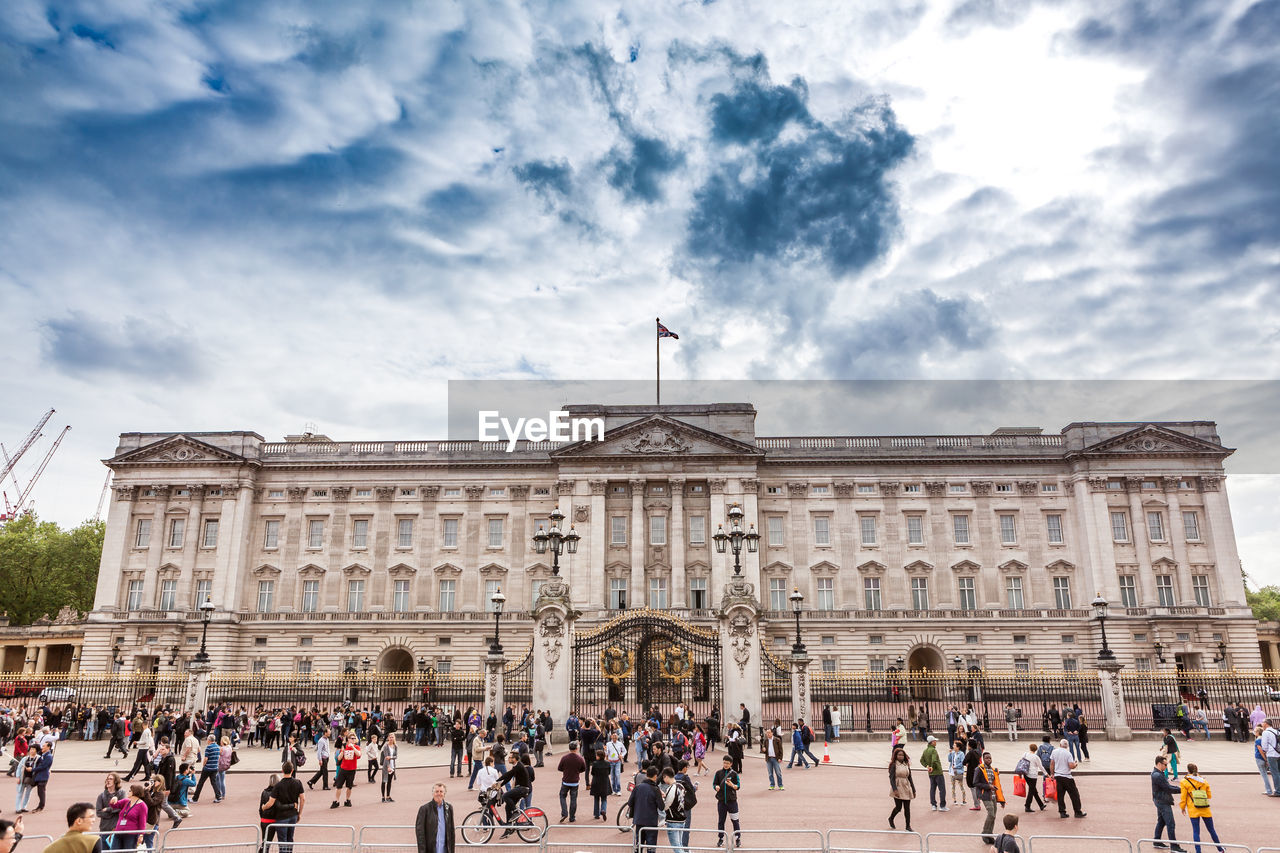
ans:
(664, 332)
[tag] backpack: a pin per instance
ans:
(1023, 767)
(806, 735)
(690, 795)
(1044, 752)
(299, 758)
(1199, 797)
(678, 807)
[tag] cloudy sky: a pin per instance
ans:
(254, 215)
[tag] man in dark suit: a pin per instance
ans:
(435, 823)
(646, 807)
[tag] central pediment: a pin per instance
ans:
(658, 436)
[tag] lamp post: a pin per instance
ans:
(1100, 610)
(796, 601)
(206, 613)
(556, 540)
(365, 664)
(497, 599)
(1159, 646)
(173, 654)
(958, 663)
(1222, 652)
(735, 537)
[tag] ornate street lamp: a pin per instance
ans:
(173, 654)
(735, 537)
(365, 664)
(497, 599)
(557, 541)
(958, 663)
(422, 664)
(796, 601)
(1222, 652)
(206, 613)
(1159, 651)
(1100, 610)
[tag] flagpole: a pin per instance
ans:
(657, 362)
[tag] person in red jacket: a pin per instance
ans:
(348, 762)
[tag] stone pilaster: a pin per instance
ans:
(494, 698)
(801, 687)
(740, 644)
(553, 618)
(1114, 719)
(198, 686)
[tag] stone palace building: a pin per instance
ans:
(910, 551)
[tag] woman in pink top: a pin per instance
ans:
(132, 819)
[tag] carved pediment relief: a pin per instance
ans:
(617, 567)
(872, 567)
(538, 569)
(169, 569)
(311, 570)
(966, 566)
(1164, 563)
(356, 569)
(697, 567)
(177, 450)
(1152, 439)
(1013, 566)
(824, 567)
(266, 570)
(658, 435)
(402, 570)
(777, 567)
(918, 567)
(1153, 501)
(1061, 566)
(492, 570)
(447, 570)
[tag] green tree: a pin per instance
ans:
(1265, 603)
(45, 568)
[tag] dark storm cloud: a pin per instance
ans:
(822, 195)
(755, 113)
(638, 167)
(78, 345)
(546, 176)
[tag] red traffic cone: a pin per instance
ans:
(826, 753)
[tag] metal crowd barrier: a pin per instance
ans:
(1071, 844)
(303, 844)
(869, 841)
(778, 840)
(1149, 844)
(373, 838)
(966, 842)
(227, 839)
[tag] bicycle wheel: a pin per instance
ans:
(477, 827)
(624, 819)
(531, 826)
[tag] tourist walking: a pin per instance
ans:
(1260, 759)
(601, 785)
(771, 747)
(937, 776)
(144, 745)
(389, 753)
(987, 783)
(1270, 748)
(1011, 715)
(39, 773)
(107, 808)
(645, 804)
(131, 824)
(1169, 746)
(23, 773)
(348, 764)
(902, 788)
(433, 827)
(209, 771)
(955, 763)
(286, 804)
(266, 816)
(797, 747)
(1195, 803)
(725, 784)
(1063, 764)
(572, 766)
(675, 816)
(1031, 769)
(323, 753)
(1162, 791)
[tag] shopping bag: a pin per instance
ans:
(1019, 786)
(1050, 788)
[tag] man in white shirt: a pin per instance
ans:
(190, 749)
(614, 752)
(1063, 764)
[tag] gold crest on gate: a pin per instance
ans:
(675, 663)
(615, 664)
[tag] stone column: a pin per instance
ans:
(801, 687)
(494, 700)
(597, 546)
(198, 686)
(1175, 535)
(675, 538)
(1223, 542)
(1140, 535)
(553, 618)
(740, 644)
(721, 564)
(639, 540)
(1114, 720)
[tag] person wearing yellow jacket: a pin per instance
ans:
(1195, 804)
(986, 782)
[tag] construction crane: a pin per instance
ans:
(106, 486)
(12, 511)
(31, 439)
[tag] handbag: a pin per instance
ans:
(235, 758)
(1050, 788)
(1019, 786)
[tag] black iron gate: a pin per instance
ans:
(646, 658)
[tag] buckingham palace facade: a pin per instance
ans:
(986, 549)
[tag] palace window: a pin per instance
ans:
(775, 531)
(618, 530)
(826, 594)
(1191, 525)
(1004, 487)
(408, 493)
(275, 493)
(364, 493)
(915, 530)
(266, 591)
(1200, 586)
(304, 667)
(271, 537)
(822, 490)
(968, 596)
(355, 596)
(658, 593)
(617, 593)
(490, 587)
(960, 529)
(310, 596)
(1021, 665)
(1008, 530)
(871, 593)
(204, 591)
(450, 538)
(315, 533)
(1119, 527)
(1013, 587)
(1062, 593)
(697, 530)
(400, 598)
(210, 533)
(1164, 590)
(1053, 526)
(1070, 665)
(956, 488)
(360, 533)
(657, 530)
(868, 523)
(495, 533)
(777, 593)
(920, 593)
(866, 489)
(698, 593)
(319, 493)
(168, 594)
(541, 491)
(404, 532)
(1155, 526)
(828, 664)
(177, 527)
(453, 493)
(911, 488)
(773, 490)
(444, 665)
(1048, 487)
(535, 589)
(448, 596)
(1128, 591)
(821, 530)
(497, 493)
(142, 535)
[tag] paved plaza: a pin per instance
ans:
(851, 793)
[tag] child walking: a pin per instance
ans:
(955, 761)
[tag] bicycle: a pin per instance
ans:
(624, 821)
(478, 827)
